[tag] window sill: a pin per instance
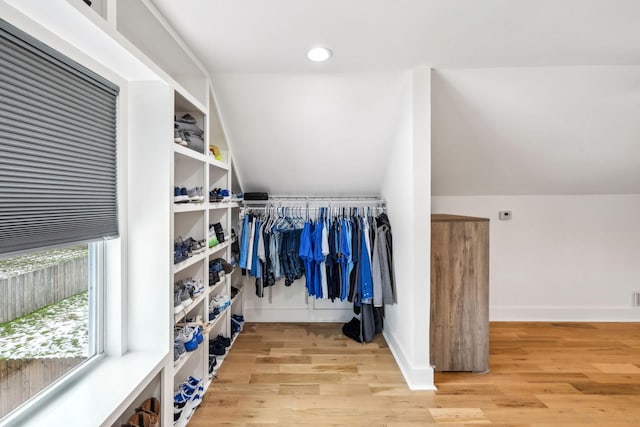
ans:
(98, 396)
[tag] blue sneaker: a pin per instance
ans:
(187, 390)
(235, 326)
(196, 400)
(180, 250)
(191, 345)
(180, 399)
(193, 381)
(198, 334)
(222, 340)
(217, 349)
(187, 337)
(215, 196)
(180, 195)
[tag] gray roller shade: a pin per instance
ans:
(57, 148)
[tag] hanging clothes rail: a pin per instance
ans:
(340, 248)
(314, 204)
(316, 201)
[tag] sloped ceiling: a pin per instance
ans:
(304, 134)
(299, 127)
(560, 130)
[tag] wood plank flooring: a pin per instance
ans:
(542, 375)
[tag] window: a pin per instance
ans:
(58, 203)
(49, 318)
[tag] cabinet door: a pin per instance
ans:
(459, 296)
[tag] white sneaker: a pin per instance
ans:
(222, 301)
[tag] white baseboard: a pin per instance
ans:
(417, 378)
(564, 314)
(297, 315)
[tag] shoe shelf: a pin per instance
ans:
(199, 257)
(189, 262)
(221, 361)
(189, 207)
(222, 205)
(217, 248)
(201, 169)
(183, 313)
(212, 324)
(184, 358)
(217, 163)
(217, 286)
(188, 152)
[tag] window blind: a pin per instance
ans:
(58, 158)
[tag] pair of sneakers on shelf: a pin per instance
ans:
(217, 305)
(213, 237)
(196, 246)
(184, 291)
(195, 288)
(219, 195)
(187, 398)
(192, 195)
(237, 322)
(220, 301)
(217, 269)
(217, 231)
(188, 337)
(180, 251)
(235, 328)
(218, 346)
(216, 272)
(147, 415)
(183, 249)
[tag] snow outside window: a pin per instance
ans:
(49, 319)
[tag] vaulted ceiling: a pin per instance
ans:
(303, 128)
(554, 130)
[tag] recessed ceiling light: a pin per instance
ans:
(319, 54)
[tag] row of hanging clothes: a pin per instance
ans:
(344, 254)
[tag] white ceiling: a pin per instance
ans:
(258, 36)
(289, 120)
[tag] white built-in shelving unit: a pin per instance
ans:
(140, 28)
(195, 169)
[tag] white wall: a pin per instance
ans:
(406, 190)
(148, 189)
(288, 304)
(560, 257)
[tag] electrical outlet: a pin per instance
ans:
(504, 215)
(636, 299)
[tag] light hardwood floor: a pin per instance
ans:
(542, 375)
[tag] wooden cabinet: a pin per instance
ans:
(459, 333)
